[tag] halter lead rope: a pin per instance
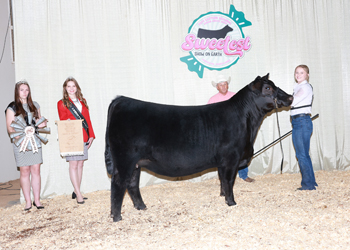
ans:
(279, 133)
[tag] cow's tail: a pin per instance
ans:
(108, 154)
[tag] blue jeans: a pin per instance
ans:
(243, 173)
(302, 130)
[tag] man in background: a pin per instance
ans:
(221, 84)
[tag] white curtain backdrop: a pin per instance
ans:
(132, 48)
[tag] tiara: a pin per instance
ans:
(22, 82)
(69, 78)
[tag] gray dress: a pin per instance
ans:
(27, 158)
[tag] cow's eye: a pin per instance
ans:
(268, 88)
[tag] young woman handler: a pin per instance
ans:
(74, 106)
(302, 126)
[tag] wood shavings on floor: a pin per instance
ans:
(270, 214)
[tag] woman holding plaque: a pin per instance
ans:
(74, 106)
(26, 112)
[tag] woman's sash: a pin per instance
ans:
(76, 113)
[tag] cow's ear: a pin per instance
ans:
(256, 85)
(267, 76)
(257, 78)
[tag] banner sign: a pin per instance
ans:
(215, 41)
(70, 137)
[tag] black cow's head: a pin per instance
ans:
(269, 94)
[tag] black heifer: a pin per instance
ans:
(183, 140)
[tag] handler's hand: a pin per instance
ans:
(90, 142)
(43, 124)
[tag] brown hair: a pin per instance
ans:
(18, 103)
(79, 95)
(304, 67)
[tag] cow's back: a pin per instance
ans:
(184, 139)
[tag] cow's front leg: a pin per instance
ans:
(229, 181)
(118, 189)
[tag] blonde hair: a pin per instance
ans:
(304, 67)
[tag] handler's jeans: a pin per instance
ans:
(302, 130)
(243, 173)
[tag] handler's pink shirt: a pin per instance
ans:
(220, 97)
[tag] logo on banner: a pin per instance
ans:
(216, 41)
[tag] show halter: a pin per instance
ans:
(279, 133)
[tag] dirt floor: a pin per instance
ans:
(270, 214)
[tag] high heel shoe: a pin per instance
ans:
(27, 209)
(80, 202)
(75, 196)
(38, 207)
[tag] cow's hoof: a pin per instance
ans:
(117, 218)
(141, 207)
(231, 203)
(222, 194)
